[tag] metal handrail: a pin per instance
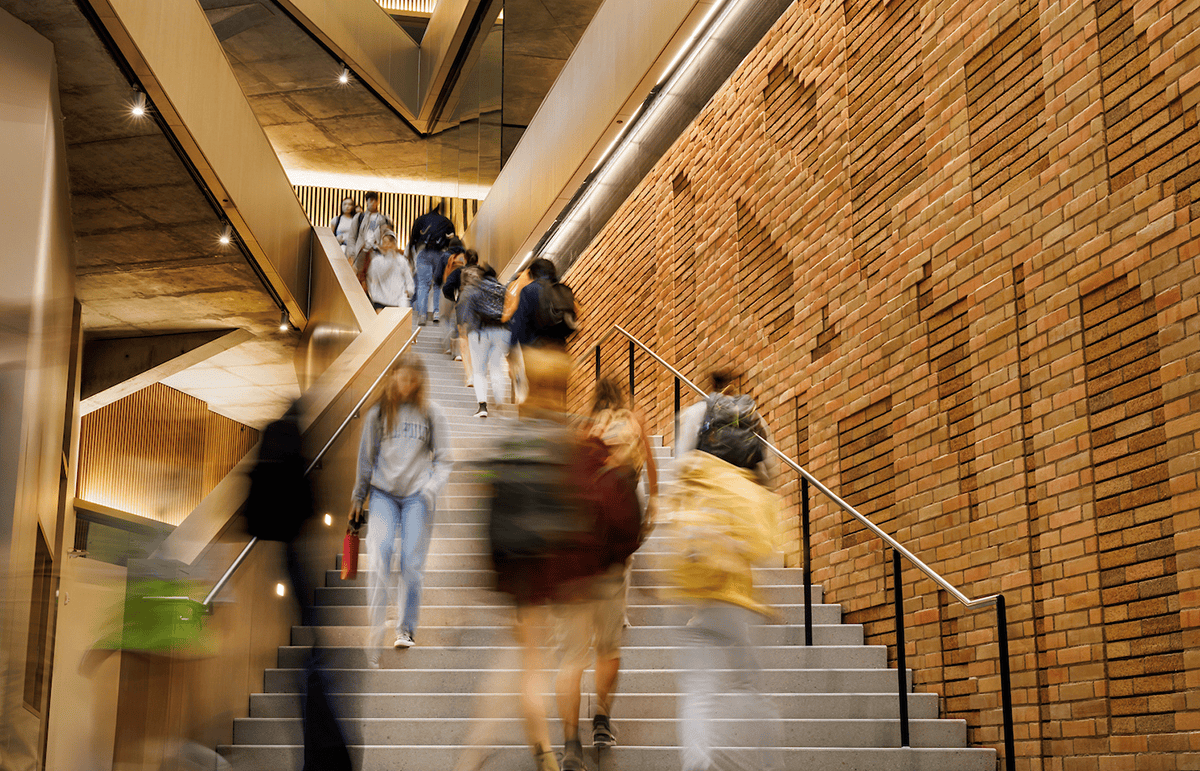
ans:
(898, 551)
(316, 459)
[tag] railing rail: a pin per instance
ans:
(898, 551)
(217, 587)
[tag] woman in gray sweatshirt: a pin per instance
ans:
(404, 461)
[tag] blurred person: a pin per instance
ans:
(530, 322)
(278, 507)
(522, 320)
(371, 227)
(487, 338)
(541, 537)
(453, 288)
(724, 520)
(430, 235)
(389, 278)
(598, 622)
(455, 258)
(345, 226)
(404, 461)
(468, 281)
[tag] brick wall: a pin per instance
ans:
(953, 246)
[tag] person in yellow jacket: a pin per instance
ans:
(722, 521)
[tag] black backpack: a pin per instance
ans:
(437, 236)
(730, 430)
(491, 301)
(556, 309)
(535, 511)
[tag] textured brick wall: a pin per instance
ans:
(953, 245)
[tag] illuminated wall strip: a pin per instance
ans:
(408, 6)
(324, 203)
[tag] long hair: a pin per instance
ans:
(390, 400)
(608, 396)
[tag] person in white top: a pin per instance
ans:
(345, 226)
(389, 278)
(372, 225)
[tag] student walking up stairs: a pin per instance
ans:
(836, 701)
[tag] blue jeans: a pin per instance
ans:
(412, 520)
(489, 346)
(426, 260)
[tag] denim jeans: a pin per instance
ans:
(449, 324)
(720, 678)
(489, 346)
(411, 519)
(426, 260)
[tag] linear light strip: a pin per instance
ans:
(408, 6)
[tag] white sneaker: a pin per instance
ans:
(458, 358)
(403, 640)
(373, 661)
(481, 412)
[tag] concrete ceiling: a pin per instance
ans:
(148, 259)
(320, 127)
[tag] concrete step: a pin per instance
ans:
(846, 706)
(439, 559)
(623, 758)
(387, 680)
(641, 658)
(642, 578)
(500, 635)
(482, 595)
(634, 731)
(469, 615)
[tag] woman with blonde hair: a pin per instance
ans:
(404, 462)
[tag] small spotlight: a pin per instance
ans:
(140, 107)
(328, 520)
(285, 322)
(279, 589)
(226, 235)
(344, 78)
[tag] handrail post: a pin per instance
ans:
(804, 525)
(631, 374)
(597, 362)
(901, 664)
(1010, 741)
(675, 436)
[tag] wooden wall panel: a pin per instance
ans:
(324, 203)
(157, 453)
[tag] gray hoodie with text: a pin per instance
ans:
(414, 457)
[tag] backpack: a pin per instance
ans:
(280, 498)
(456, 261)
(556, 308)
(491, 301)
(437, 235)
(613, 485)
(534, 509)
(619, 431)
(730, 430)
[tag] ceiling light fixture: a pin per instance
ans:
(344, 78)
(226, 235)
(140, 107)
(285, 321)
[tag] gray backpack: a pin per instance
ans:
(730, 430)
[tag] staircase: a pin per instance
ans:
(837, 700)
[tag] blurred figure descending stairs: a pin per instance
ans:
(837, 701)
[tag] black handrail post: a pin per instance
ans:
(804, 524)
(631, 374)
(597, 362)
(675, 438)
(1010, 740)
(901, 665)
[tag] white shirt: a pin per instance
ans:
(389, 279)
